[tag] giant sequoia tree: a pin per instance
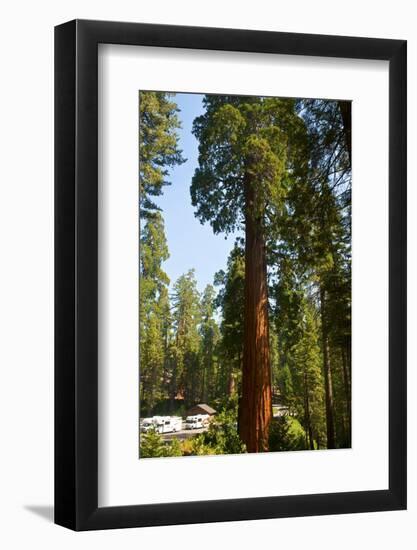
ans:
(247, 149)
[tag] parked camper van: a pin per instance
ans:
(195, 422)
(167, 424)
(147, 424)
(161, 424)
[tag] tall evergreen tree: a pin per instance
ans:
(318, 227)
(209, 334)
(186, 377)
(247, 148)
(153, 283)
(158, 152)
(231, 301)
(158, 145)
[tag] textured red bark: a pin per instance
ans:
(255, 411)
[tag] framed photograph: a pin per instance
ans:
(230, 284)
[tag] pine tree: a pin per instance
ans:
(230, 300)
(186, 376)
(158, 152)
(158, 145)
(153, 283)
(317, 233)
(209, 339)
(298, 333)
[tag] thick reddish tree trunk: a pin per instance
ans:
(255, 412)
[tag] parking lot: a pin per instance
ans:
(183, 434)
(177, 430)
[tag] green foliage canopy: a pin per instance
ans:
(245, 137)
(158, 145)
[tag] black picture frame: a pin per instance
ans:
(76, 272)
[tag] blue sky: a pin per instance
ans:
(191, 244)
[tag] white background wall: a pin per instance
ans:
(26, 271)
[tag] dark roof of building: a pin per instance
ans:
(203, 407)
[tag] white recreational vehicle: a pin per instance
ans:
(146, 425)
(196, 421)
(162, 424)
(167, 424)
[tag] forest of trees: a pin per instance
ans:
(274, 327)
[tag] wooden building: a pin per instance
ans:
(201, 408)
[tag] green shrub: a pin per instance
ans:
(153, 446)
(195, 446)
(222, 435)
(286, 434)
